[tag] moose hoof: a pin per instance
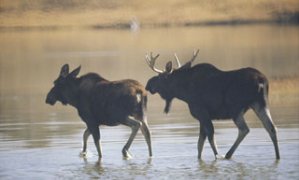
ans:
(218, 156)
(83, 154)
(227, 156)
(126, 154)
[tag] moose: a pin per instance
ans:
(213, 94)
(103, 102)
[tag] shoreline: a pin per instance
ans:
(20, 15)
(292, 21)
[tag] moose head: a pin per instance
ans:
(64, 87)
(165, 82)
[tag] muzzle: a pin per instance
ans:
(150, 89)
(50, 100)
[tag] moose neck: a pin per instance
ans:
(184, 80)
(180, 84)
(83, 84)
(73, 96)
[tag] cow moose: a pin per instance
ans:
(213, 94)
(103, 102)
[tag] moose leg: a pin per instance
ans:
(264, 115)
(209, 130)
(243, 131)
(85, 138)
(135, 125)
(206, 129)
(147, 135)
(96, 137)
(201, 140)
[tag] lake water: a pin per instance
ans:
(38, 141)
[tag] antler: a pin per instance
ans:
(177, 60)
(151, 62)
(195, 53)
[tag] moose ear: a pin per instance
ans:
(75, 72)
(168, 67)
(64, 70)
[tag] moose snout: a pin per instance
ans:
(150, 89)
(50, 99)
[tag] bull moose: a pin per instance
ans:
(103, 102)
(214, 94)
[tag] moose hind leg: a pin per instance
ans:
(264, 115)
(243, 131)
(135, 125)
(147, 135)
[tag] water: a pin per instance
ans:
(38, 141)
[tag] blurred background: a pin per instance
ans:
(111, 37)
(27, 14)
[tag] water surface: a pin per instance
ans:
(43, 142)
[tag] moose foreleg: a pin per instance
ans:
(96, 137)
(201, 141)
(209, 130)
(86, 134)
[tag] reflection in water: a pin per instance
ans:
(123, 168)
(22, 120)
(91, 168)
(231, 169)
(174, 157)
(43, 142)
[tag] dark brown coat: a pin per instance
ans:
(102, 102)
(214, 94)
